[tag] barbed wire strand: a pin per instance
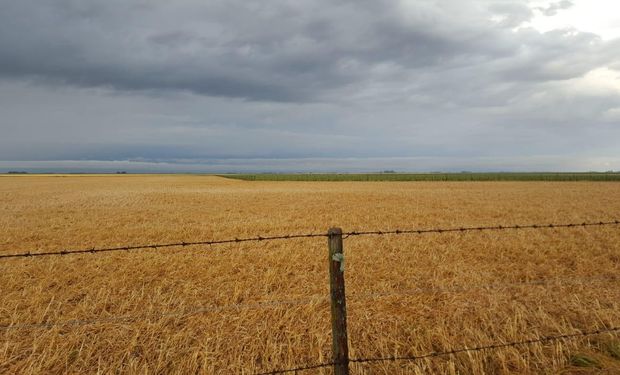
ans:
(172, 314)
(161, 245)
(480, 228)
(300, 368)
(94, 250)
(306, 301)
(538, 340)
(455, 289)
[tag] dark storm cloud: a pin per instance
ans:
(187, 79)
(278, 50)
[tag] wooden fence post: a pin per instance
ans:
(340, 346)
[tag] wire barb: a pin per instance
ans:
(302, 235)
(479, 228)
(158, 246)
(539, 340)
(169, 314)
(300, 368)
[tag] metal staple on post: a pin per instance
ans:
(340, 346)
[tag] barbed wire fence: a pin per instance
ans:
(337, 297)
(94, 250)
(538, 340)
(307, 301)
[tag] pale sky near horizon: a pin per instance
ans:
(601, 17)
(310, 85)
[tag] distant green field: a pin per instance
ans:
(428, 177)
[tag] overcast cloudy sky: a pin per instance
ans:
(235, 85)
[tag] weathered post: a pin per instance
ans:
(340, 346)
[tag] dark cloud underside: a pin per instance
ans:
(192, 79)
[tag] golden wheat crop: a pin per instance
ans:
(205, 309)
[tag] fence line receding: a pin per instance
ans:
(335, 236)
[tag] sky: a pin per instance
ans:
(300, 85)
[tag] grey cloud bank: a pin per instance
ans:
(327, 165)
(434, 84)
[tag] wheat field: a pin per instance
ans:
(254, 307)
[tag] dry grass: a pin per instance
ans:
(68, 212)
